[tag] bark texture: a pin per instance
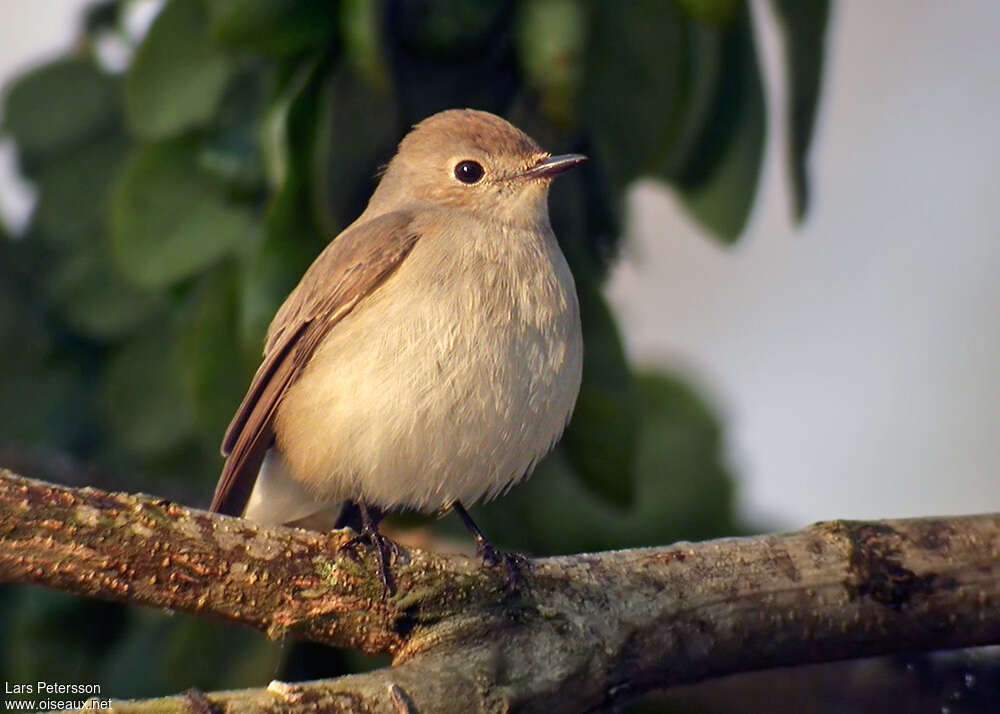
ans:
(585, 632)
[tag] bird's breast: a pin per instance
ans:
(448, 382)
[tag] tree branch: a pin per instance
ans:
(586, 631)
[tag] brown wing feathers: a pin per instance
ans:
(350, 268)
(249, 434)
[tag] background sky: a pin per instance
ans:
(856, 358)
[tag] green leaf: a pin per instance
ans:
(231, 151)
(57, 634)
(288, 128)
(684, 152)
(361, 29)
(600, 441)
(273, 27)
(169, 220)
(35, 391)
(551, 38)
(273, 271)
(447, 29)
(720, 188)
(635, 83)
(357, 132)
(178, 76)
(712, 11)
(73, 191)
(92, 299)
(167, 654)
(291, 242)
(209, 356)
(71, 217)
(803, 27)
(681, 461)
(451, 53)
(291, 233)
(46, 392)
(142, 397)
(57, 107)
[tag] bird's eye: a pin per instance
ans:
(468, 171)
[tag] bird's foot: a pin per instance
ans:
(514, 564)
(385, 549)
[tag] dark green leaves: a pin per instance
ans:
(600, 440)
(169, 219)
(39, 383)
(551, 36)
(447, 29)
(272, 271)
(142, 400)
(683, 480)
(177, 77)
(712, 11)
(634, 83)
(73, 191)
(77, 278)
(356, 133)
(231, 149)
(719, 185)
(291, 231)
(677, 93)
(158, 654)
(58, 107)
(274, 27)
(361, 27)
(208, 352)
(93, 299)
(450, 53)
(803, 26)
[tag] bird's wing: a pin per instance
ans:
(350, 268)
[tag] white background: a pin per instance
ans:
(857, 359)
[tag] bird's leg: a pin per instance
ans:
(350, 516)
(384, 548)
(513, 563)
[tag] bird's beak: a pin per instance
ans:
(554, 165)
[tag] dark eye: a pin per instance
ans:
(468, 171)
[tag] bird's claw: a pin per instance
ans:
(386, 552)
(514, 564)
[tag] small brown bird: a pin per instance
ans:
(429, 357)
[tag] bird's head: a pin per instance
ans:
(472, 160)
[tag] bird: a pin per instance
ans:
(429, 357)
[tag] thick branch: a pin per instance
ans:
(586, 631)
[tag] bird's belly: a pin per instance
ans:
(452, 398)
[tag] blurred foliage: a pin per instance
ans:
(181, 200)
(803, 26)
